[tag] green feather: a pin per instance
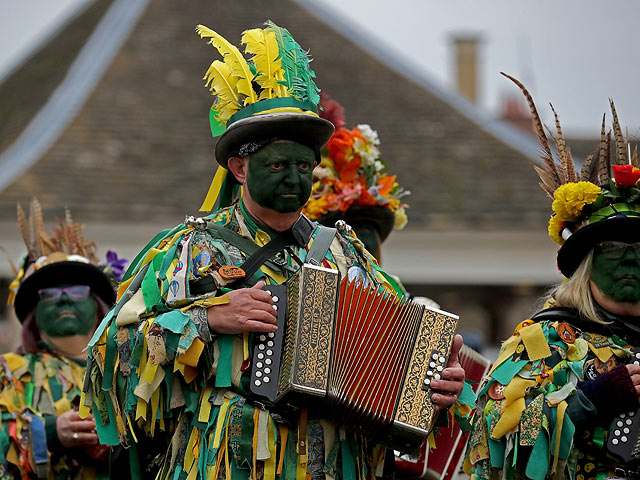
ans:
(295, 62)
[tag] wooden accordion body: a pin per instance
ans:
(366, 355)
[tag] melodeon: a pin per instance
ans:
(444, 461)
(364, 355)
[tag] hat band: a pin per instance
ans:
(264, 106)
(615, 209)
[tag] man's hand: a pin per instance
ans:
(248, 310)
(450, 387)
(74, 431)
(634, 373)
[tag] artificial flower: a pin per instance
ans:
(556, 225)
(400, 219)
(626, 175)
(569, 199)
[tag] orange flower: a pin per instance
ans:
(626, 175)
(386, 183)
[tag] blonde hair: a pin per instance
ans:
(575, 292)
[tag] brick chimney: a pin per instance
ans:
(466, 65)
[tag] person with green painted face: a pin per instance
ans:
(60, 294)
(562, 399)
(173, 359)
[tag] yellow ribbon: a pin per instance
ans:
(562, 406)
(214, 189)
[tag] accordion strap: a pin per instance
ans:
(320, 245)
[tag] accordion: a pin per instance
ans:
(366, 356)
(444, 461)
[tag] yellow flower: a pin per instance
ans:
(556, 224)
(315, 207)
(569, 199)
(400, 219)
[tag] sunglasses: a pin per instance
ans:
(614, 250)
(74, 292)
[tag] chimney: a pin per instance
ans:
(466, 65)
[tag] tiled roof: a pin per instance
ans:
(141, 150)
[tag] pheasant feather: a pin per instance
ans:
(547, 156)
(547, 182)
(621, 154)
(568, 171)
(295, 63)
(603, 155)
(221, 81)
(232, 57)
(262, 44)
(25, 231)
(589, 173)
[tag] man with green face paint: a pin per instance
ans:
(59, 295)
(565, 387)
(193, 305)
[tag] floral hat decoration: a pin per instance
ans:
(269, 96)
(351, 178)
(65, 255)
(600, 202)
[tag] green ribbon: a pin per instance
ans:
(271, 103)
(223, 372)
(598, 437)
(615, 209)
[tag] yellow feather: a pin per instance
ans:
(232, 57)
(262, 44)
(223, 84)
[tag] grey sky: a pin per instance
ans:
(574, 53)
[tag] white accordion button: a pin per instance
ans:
(620, 423)
(268, 291)
(275, 307)
(261, 346)
(274, 298)
(266, 379)
(268, 361)
(435, 356)
(262, 338)
(631, 414)
(626, 430)
(615, 441)
(270, 343)
(427, 381)
(623, 439)
(269, 352)
(267, 371)
(429, 373)
(617, 433)
(258, 374)
(628, 421)
(439, 368)
(271, 334)
(432, 364)
(259, 365)
(441, 359)
(260, 356)
(437, 376)
(257, 383)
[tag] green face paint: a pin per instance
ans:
(617, 278)
(280, 176)
(66, 316)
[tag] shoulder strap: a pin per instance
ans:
(320, 245)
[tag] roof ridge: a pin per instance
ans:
(65, 102)
(400, 63)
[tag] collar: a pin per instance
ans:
(301, 231)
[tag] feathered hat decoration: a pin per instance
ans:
(600, 201)
(271, 93)
(65, 255)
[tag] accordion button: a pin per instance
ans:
(628, 421)
(638, 355)
(622, 415)
(427, 381)
(620, 424)
(623, 439)
(269, 352)
(429, 373)
(261, 346)
(259, 365)
(434, 356)
(615, 441)
(439, 368)
(441, 359)
(617, 433)
(432, 364)
(267, 371)
(268, 361)
(257, 383)
(270, 343)
(268, 291)
(262, 338)
(631, 414)
(274, 298)
(266, 379)
(626, 430)
(271, 334)
(258, 374)
(260, 356)
(437, 376)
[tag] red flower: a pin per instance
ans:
(626, 175)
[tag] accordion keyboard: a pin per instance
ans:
(624, 438)
(265, 365)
